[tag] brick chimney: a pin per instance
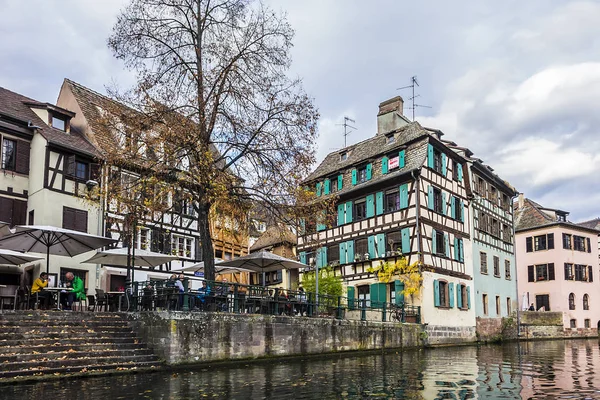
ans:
(390, 114)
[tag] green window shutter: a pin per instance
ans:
(468, 297)
(324, 262)
(351, 297)
(461, 251)
(350, 251)
(398, 288)
(451, 294)
(456, 249)
(459, 296)
(447, 243)
(372, 253)
(444, 205)
(340, 182)
(459, 172)
(462, 211)
(436, 293)
(323, 217)
(430, 197)
(374, 294)
(326, 186)
(341, 217)
(354, 177)
(343, 259)
(379, 203)
(349, 212)
(303, 257)
(430, 155)
(321, 227)
(444, 158)
(404, 196)
(380, 245)
(382, 293)
(369, 171)
(433, 241)
(384, 165)
(402, 159)
(370, 205)
(318, 189)
(405, 233)
(302, 226)
(453, 207)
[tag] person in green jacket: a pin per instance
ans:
(76, 291)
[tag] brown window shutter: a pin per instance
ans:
(68, 218)
(19, 215)
(590, 273)
(550, 241)
(22, 162)
(81, 220)
(95, 172)
(70, 165)
(6, 210)
(529, 244)
(530, 273)
(588, 245)
(551, 275)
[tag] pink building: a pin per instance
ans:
(557, 262)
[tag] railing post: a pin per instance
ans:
(186, 301)
(383, 311)
(310, 305)
(418, 314)
(339, 308)
(236, 304)
(363, 310)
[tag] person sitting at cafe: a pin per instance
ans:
(301, 308)
(76, 291)
(202, 295)
(39, 288)
(181, 289)
(147, 294)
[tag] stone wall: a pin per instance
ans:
(183, 338)
(444, 335)
(541, 325)
(488, 328)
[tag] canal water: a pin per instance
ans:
(532, 370)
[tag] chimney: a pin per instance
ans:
(390, 114)
(521, 201)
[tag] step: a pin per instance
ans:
(30, 349)
(82, 368)
(50, 355)
(58, 335)
(64, 329)
(60, 315)
(67, 340)
(67, 363)
(54, 322)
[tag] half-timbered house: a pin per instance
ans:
(401, 193)
(45, 166)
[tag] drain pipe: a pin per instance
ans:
(514, 249)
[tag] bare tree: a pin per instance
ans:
(228, 123)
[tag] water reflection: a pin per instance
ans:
(549, 369)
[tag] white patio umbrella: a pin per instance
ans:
(9, 257)
(5, 229)
(199, 267)
(262, 261)
(52, 240)
(141, 258)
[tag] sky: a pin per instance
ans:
(516, 82)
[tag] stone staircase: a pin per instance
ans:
(41, 343)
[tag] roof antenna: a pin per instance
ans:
(346, 126)
(414, 83)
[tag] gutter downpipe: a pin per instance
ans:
(514, 249)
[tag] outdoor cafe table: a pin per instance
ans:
(56, 293)
(114, 300)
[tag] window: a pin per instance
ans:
(479, 186)
(495, 228)
(571, 301)
(541, 272)
(493, 195)
(578, 243)
(333, 254)
(363, 296)
(333, 184)
(144, 239)
(464, 297)
(484, 300)
(505, 202)
(541, 242)
(59, 123)
(440, 243)
(497, 266)
(542, 302)
(507, 269)
(390, 139)
(455, 173)
(362, 174)
(586, 323)
(343, 156)
(573, 323)
(506, 233)
(483, 262)
(75, 219)
(360, 209)
(13, 211)
(483, 223)
(567, 241)
(498, 311)
(392, 201)
(9, 154)
(392, 289)
(81, 170)
(443, 293)
(361, 247)
(569, 272)
(437, 161)
(508, 307)
(457, 209)
(182, 246)
(580, 272)
(438, 205)
(393, 241)
(586, 302)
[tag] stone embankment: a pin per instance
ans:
(54, 343)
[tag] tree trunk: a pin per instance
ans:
(206, 242)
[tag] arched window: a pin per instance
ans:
(586, 302)
(571, 301)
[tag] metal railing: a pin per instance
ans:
(249, 299)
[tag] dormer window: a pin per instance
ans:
(59, 123)
(344, 156)
(389, 139)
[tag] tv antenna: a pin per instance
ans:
(346, 126)
(414, 82)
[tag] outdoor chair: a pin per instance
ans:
(100, 300)
(81, 303)
(33, 300)
(91, 302)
